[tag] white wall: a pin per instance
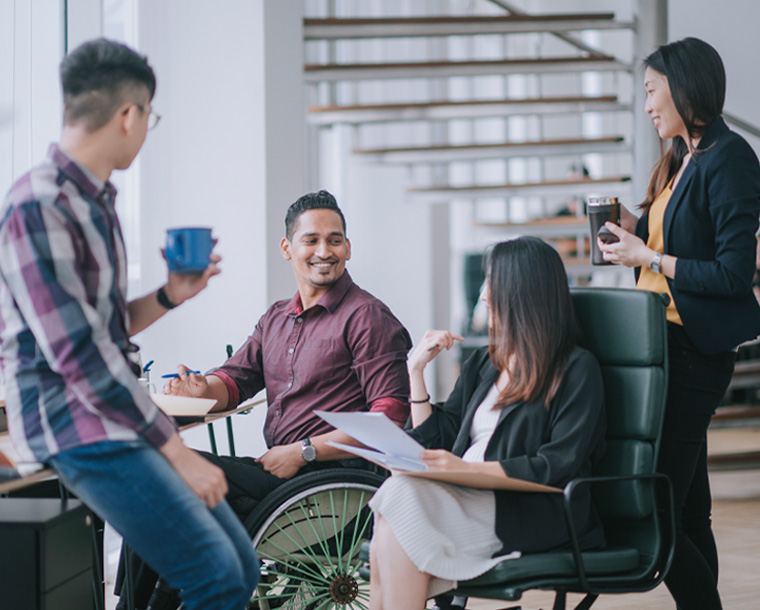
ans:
(31, 46)
(227, 154)
(731, 28)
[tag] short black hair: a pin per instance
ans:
(321, 200)
(97, 77)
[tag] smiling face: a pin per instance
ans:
(661, 108)
(318, 251)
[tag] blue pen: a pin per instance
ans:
(170, 375)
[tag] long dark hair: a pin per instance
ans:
(533, 327)
(697, 81)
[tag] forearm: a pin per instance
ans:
(418, 392)
(218, 391)
(145, 310)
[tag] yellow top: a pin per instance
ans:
(648, 279)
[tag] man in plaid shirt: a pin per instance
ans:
(72, 397)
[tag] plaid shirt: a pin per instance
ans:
(63, 316)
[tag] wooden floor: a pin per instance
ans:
(736, 521)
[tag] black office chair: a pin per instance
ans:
(626, 331)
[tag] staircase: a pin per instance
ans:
(495, 117)
(421, 91)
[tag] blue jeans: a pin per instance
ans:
(205, 553)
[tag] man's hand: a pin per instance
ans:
(183, 286)
(205, 479)
(187, 383)
(283, 461)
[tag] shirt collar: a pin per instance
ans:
(329, 301)
(85, 180)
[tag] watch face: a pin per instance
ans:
(309, 453)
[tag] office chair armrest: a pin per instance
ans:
(667, 515)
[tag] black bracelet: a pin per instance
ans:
(163, 300)
(419, 402)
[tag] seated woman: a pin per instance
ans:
(530, 405)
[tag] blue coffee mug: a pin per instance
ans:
(188, 249)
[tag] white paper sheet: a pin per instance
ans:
(375, 430)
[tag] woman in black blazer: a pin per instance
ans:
(529, 405)
(696, 242)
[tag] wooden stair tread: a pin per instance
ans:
(455, 147)
(731, 412)
(456, 104)
(747, 367)
(461, 19)
(568, 182)
(739, 456)
(568, 221)
(535, 61)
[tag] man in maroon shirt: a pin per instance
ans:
(333, 347)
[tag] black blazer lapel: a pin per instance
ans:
(487, 377)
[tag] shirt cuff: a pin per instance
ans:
(233, 392)
(396, 410)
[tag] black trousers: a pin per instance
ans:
(696, 385)
(248, 484)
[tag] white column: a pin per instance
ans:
(284, 135)
(651, 32)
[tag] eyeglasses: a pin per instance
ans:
(153, 117)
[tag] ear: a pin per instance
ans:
(128, 118)
(348, 249)
(285, 249)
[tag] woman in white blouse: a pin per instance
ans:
(530, 405)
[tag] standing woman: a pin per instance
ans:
(695, 242)
(529, 405)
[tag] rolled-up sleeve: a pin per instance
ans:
(379, 344)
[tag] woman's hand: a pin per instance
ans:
(430, 346)
(440, 459)
(630, 251)
(187, 383)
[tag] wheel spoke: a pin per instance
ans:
(310, 549)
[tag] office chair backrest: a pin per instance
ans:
(626, 331)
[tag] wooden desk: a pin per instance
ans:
(46, 474)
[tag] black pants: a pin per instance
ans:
(696, 385)
(248, 484)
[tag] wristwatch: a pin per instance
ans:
(656, 263)
(308, 451)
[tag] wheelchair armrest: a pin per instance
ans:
(669, 517)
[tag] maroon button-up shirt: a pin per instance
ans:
(345, 353)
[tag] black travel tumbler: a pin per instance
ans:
(600, 210)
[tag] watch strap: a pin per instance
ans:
(656, 262)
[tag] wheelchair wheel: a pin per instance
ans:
(307, 535)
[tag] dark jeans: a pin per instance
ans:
(696, 385)
(248, 485)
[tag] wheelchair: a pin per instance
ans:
(307, 534)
